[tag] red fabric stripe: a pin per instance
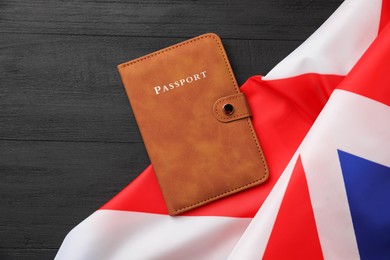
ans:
(371, 75)
(283, 111)
(385, 14)
(295, 235)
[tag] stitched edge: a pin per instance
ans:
(239, 116)
(122, 66)
(218, 196)
(239, 95)
(266, 171)
(210, 35)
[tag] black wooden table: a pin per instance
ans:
(68, 138)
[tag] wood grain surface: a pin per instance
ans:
(68, 138)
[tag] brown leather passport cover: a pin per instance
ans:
(194, 122)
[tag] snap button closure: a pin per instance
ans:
(228, 109)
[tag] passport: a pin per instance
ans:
(195, 123)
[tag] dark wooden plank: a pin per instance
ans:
(68, 88)
(46, 188)
(251, 19)
(28, 253)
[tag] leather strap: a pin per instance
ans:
(231, 108)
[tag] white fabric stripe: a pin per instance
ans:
(337, 45)
(254, 241)
(337, 240)
(110, 234)
(354, 124)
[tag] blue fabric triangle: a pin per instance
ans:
(368, 190)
